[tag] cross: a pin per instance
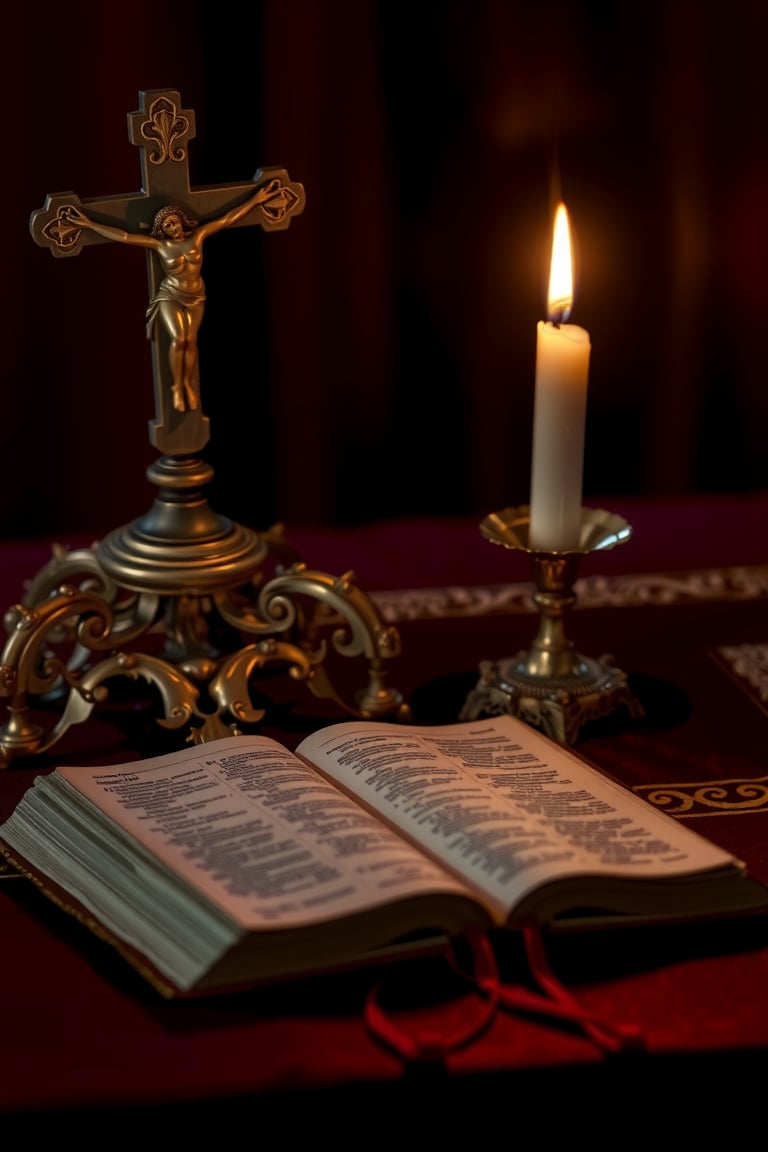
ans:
(161, 129)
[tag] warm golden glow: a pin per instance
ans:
(560, 294)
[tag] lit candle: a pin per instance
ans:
(559, 411)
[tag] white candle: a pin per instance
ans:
(559, 412)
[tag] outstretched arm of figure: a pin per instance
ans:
(77, 216)
(262, 194)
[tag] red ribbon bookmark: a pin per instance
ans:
(553, 1000)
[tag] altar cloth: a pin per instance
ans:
(82, 1035)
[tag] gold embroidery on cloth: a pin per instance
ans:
(720, 798)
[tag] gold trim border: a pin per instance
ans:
(708, 798)
(748, 665)
(629, 591)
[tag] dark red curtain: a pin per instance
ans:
(377, 358)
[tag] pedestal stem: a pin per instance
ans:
(552, 655)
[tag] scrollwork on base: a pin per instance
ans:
(67, 643)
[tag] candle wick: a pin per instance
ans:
(559, 310)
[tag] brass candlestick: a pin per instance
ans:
(550, 685)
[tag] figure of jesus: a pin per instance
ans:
(179, 301)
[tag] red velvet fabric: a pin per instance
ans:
(80, 1031)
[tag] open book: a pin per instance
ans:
(237, 861)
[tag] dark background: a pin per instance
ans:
(377, 358)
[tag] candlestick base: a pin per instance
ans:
(550, 685)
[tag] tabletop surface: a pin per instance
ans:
(683, 609)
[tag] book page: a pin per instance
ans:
(262, 834)
(505, 806)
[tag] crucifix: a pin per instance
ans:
(227, 604)
(171, 221)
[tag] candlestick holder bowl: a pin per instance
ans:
(550, 685)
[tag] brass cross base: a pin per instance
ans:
(220, 607)
(550, 685)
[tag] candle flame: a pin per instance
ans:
(560, 294)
